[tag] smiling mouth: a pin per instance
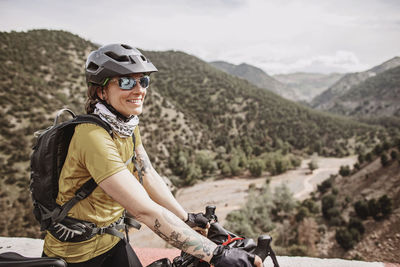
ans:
(135, 101)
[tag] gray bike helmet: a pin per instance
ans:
(115, 60)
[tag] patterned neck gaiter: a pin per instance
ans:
(123, 129)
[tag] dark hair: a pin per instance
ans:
(93, 98)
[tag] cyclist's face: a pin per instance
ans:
(126, 102)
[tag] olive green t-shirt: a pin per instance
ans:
(91, 153)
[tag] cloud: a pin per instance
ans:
(276, 35)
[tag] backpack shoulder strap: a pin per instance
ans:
(135, 163)
(60, 212)
(94, 119)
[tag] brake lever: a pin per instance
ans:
(263, 249)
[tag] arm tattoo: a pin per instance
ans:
(143, 161)
(191, 239)
(173, 239)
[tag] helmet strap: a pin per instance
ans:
(111, 108)
(115, 112)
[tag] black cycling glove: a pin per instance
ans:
(225, 256)
(196, 219)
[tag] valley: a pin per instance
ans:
(230, 194)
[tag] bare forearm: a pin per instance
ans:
(127, 191)
(156, 187)
(178, 234)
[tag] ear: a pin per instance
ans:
(100, 92)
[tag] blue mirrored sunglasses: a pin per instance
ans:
(128, 83)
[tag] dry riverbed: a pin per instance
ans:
(230, 193)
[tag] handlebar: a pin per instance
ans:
(263, 248)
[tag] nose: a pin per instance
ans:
(138, 89)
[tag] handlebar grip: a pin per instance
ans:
(210, 212)
(263, 246)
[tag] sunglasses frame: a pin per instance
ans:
(136, 81)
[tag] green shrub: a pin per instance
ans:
(345, 238)
(368, 157)
(302, 213)
(311, 206)
(385, 204)
(361, 209)
(312, 165)
(256, 167)
(361, 158)
(356, 224)
(374, 208)
(345, 170)
(393, 154)
(328, 202)
(384, 160)
(324, 186)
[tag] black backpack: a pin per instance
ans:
(47, 160)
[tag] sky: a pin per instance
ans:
(278, 36)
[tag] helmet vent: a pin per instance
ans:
(114, 56)
(143, 58)
(126, 46)
(92, 66)
(132, 60)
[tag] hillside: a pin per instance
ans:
(197, 122)
(366, 186)
(353, 214)
(257, 77)
(308, 85)
(377, 96)
(326, 100)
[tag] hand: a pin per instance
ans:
(225, 256)
(198, 222)
(258, 262)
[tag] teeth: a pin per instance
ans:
(135, 101)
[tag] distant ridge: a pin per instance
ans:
(326, 100)
(257, 77)
(377, 96)
(308, 85)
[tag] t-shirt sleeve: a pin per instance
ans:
(97, 151)
(138, 138)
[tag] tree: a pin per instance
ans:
(361, 158)
(361, 209)
(393, 154)
(283, 200)
(356, 224)
(345, 238)
(324, 186)
(385, 204)
(205, 161)
(313, 165)
(328, 202)
(384, 160)
(344, 170)
(374, 208)
(256, 167)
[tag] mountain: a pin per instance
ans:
(308, 85)
(326, 100)
(193, 113)
(257, 77)
(377, 96)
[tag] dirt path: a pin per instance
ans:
(230, 194)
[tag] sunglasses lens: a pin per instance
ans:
(145, 81)
(126, 83)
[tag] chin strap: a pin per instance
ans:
(113, 110)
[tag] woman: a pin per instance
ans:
(118, 78)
